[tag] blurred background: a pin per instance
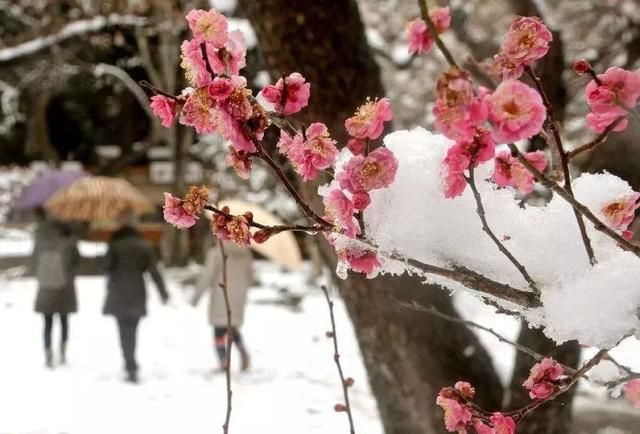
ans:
(70, 101)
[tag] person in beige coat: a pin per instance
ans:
(239, 279)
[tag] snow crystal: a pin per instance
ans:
(596, 305)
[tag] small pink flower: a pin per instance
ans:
(376, 170)
(291, 147)
(238, 231)
(231, 58)
(465, 389)
(502, 424)
(339, 211)
(297, 94)
(356, 146)
(368, 121)
(542, 378)
(509, 172)
(632, 392)
(619, 87)
(420, 39)
(209, 26)
(220, 88)
(164, 108)
(200, 112)
(361, 261)
(458, 110)
(240, 162)
(516, 112)
(620, 213)
(453, 184)
(175, 214)
(361, 200)
(319, 152)
(193, 64)
(456, 415)
(481, 428)
(526, 41)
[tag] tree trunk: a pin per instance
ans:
(409, 356)
(38, 143)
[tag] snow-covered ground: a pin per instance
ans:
(291, 388)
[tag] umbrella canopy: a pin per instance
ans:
(45, 186)
(281, 248)
(97, 198)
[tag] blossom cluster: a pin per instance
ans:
(183, 213)
(613, 94)
(420, 38)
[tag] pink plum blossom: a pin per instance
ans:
(456, 415)
(465, 389)
(376, 170)
(319, 151)
(618, 88)
(193, 64)
(509, 172)
(526, 41)
(542, 378)
(164, 108)
(420, 39)
(296, 97)
(175, 214)
(200, 112)
(231, 58)
(632, 392)
(620, 213)
(502, 424)
(361, 261)
(368, 121)
(481, 428)
(291, 147)
(209, 26)
(458, 110)
(220, 88)
(356, 146)
(460, 156)
(339, 211)
(361, 200)
(240, 162)
(516, 111)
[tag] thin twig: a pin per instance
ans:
(577, 206)
(273, 229)
(151, 87)
(336, 358)
(564, 161)
(230, 333)
(424, 11)
(598, 140)
(485, 227)
(205, 57)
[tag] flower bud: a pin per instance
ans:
(356, 146)
(339, 408)
(328, 334)
(261, 236)
(581, 66)
(349, 381)
(361, 200)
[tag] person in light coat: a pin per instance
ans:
(239, 278)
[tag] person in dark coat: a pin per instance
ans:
(129, 256)
(54, 260)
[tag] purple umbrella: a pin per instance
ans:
(45, 186)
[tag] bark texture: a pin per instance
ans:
(409, 355)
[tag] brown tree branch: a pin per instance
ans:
(336, 359)
(424, 12)
(564, 161)
(485, 227)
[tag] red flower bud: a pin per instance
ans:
(581, 66)
(261, 236)
(356, 146)
(361, 200)
(329, 334)
(349, 381)
(249, 216)
(339, 408)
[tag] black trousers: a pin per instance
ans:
(220, 334)
(48, 328)
(128, 330)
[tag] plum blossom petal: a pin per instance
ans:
(368, 121)
(164, 108)
(526, 41)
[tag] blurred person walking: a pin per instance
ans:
(239, 278)
(54, 260)
(128, 257)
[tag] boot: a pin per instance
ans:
(48, 358)
(244, 359)
(63, 353)
(132, 377)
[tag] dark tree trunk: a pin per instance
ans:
(409, 356)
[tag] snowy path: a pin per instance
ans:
(291, 388)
